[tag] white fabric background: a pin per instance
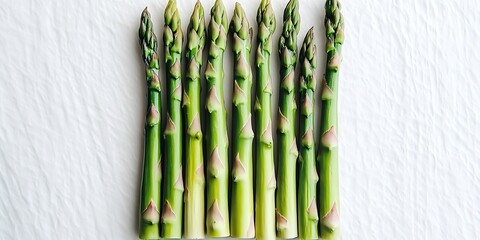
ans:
(72, 103)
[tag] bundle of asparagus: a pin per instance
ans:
(254, 203)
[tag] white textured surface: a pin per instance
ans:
(72, 111)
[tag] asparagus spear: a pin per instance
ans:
(242, 223)
(173, 201)
(195, 181)
(265, 169)
(152, 173)
(328, 147)
(286, 201)
(216, 127)
(307, 186)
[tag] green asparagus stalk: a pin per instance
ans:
(216, 127)
(307, 186)
(265, 169)
(286, 200)
(173, 200)
(242, 222)
(194, 219)
(152, 171)
(329, 205)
